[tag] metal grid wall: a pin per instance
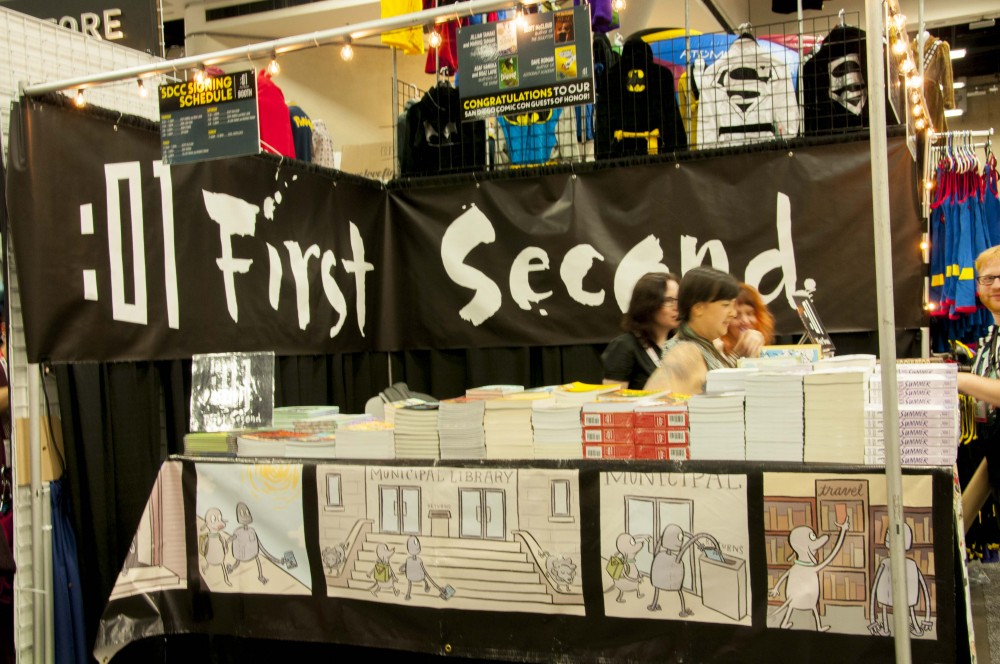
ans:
(34, 51)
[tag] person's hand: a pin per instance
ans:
(749, 344)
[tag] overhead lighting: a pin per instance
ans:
(618, 5)
(143, 92)
(434, 39)
(958, 85)
(273, 68)
(347, 51)
(80, 100)
(899, 47)
(983, 24)
(958, 53)
(953, 112)
(200, 75)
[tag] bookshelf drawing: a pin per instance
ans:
(781, 515)
(846, 581)
(919, 520)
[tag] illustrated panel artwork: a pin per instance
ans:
(827, 554)
(486, 539)
(251, 534)
(675, 546)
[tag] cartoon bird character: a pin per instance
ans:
(802, 578)
(621, 566)
(916, 585)
(212, 544)
(382, 573)
(246, 546)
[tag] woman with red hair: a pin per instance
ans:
(751, 314)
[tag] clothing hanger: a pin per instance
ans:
(840, 18)
(745, 31)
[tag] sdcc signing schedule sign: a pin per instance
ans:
(532, 63)
(210, 119)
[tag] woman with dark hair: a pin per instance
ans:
(751, 314)
(706, 307)
(630, 358)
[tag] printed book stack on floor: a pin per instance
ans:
(460, 428)
(929, 426)
(417, 432)
(507, 423)
(557, 429)
(366, 440)
(774, 416)
(717, 426)
(834, 407)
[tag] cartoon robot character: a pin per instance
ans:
(621, 567)
(413, 568)
(667, 569)
(383, 574)
(915, 584)
(246, 546)
(212, 543)
(802, 578)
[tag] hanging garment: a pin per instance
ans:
(322, 145)
(636, 112)
(530, 138)
(67, 598)
(939, 90)
(603, 17)
(275, 124)
(444, 58)
(302, 133)
(746, 96)
(437, 139)
(409, 40)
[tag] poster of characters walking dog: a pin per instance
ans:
(675, 546)
(825, 540)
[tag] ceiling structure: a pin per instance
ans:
(264, 20)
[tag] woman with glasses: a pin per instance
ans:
(652, 315)
(706, 307)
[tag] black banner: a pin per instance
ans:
(132, 23)
(121, 257)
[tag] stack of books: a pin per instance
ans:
(717, 426)
(662, 430)
(774, 416)
(329, 423)
(485, 392)
(728, 380)
(263, 442)
(580, 393)
(507, 424)
(366, 440)
(417, 432)
(287, 417)
(391, 407)
(460, 426)
(558, 432)
(312, 446)
(929, 426)
(213, 443)
(834, 408)
(608, 430)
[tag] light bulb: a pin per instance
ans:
(80, 100)
(918, 109)
(619, 5)
(924, 245)
(915, 97)
(900, 21)
(347, 52)
(919, 124)
(200, 76)
(434, 39)
(899, 46)
(930, 306)
(273, 68)
(906, 66)
(914, 81)
(143, 92)
(928, 184)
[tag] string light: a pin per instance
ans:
(918, 109)
(915, 97)
(618, 5)
(522, 20)
(201, 75)
(434, 38)
(914, 81)
(928, 184)
(924, 245)
(899, 47)
(273, 68)
(920, 124)
(930, 306)
(906, 66)
(347, 51)
(900, 21)
(80, 100)
(143, 92)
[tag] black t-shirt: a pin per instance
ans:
(626, 359)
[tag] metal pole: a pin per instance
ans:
(800, 93)
(688, 67)
(395, 106)
(283, 45)
(921, 39)
(38, 591)
(887, 326)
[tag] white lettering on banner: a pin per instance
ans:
(647, 256)
(469, 230)
(300, 273)
(359, 268)
(235, 217)
(135, 311)
(573, 270)
(531, 259)
(90, 24)
(274, 282)
(334, 295)
(782, 258)
(162, 171)
(473, 228)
